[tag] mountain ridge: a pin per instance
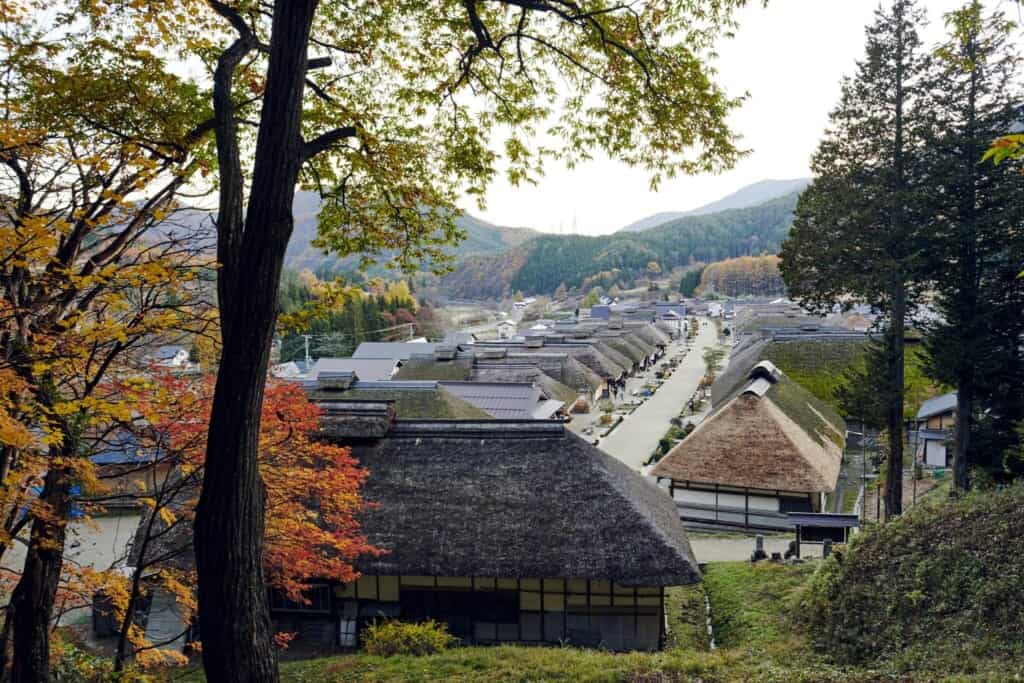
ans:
(542, 263)
(750, 195)
(482, 237)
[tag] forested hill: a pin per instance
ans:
(481, 238)
(541, 264)
(745, 197)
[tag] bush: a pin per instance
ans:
(74, 665)
(403, 638)
(948, 567)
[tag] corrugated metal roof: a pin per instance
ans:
(396, 350)
(545, 410)
(512, 401)
(937, 406)
(369, 369)
(823, 519)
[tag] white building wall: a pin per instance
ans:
(935, 453)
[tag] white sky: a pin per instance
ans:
(789, 57)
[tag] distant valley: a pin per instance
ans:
(541, 264)
(494, 261)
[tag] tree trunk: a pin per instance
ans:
(121, 654)
(33, 598)
(5, 645)
(962, 438)
(234, 618)
(972, 313)
(894, 402)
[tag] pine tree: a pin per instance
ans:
(855, 232)
(976, 242)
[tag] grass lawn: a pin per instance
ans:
(850, 494)
(756, 641)
(748, 607)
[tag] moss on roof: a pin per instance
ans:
(412, 404)
(454, 371)
(814, 416)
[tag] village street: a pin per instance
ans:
(635, 439)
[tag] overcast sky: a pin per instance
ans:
(789, 57)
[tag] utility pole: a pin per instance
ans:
(863, 469)
(305, 338)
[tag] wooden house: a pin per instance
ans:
(770, 447)
(933, 430)
(506, 531)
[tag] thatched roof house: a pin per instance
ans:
(554, 507)
(769, 448)
(557, 374)
(507, 531)
(619, 358)
(411, 400)
(513, 531)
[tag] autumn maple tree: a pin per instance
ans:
(95, 144)
(313, 496)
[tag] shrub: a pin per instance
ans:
(402, 638)
(948, 567)
(71, 664)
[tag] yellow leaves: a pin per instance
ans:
(156, 657)
(167, 517)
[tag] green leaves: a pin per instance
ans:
(1006, 147)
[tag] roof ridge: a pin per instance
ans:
(499, 428)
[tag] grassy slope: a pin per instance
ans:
(819, 366)
(757, 638)
(940, 588)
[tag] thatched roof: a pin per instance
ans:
(501, 499)
(596, 360)
(772, 434)
(666, 329)
(626, 346)
(428, 401)
(615, 355)
(426, 367)
(741, 360)
(513, 499)
(651, 334)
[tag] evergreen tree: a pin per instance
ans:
(593, 298)
(690, 281)
(855, 230)
(976, 241)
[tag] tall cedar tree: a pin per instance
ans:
(389, 108)
(855, 233)
(976, 242)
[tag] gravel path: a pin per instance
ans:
(635, 439)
